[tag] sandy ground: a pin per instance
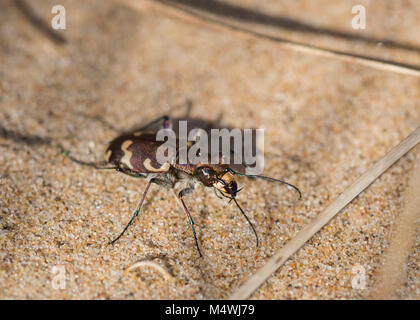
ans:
(325, 122)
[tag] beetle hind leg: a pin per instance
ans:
(164, 120)
(96, 165)
(136, 212)
(102, 120)
(107, 124)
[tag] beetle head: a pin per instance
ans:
(219, 178)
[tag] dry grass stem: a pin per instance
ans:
(282, 255)
(393, 273)
(151, 264)
(191, 16)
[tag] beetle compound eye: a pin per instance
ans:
(206, 175)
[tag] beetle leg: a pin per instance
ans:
(136, 212)
(101, 120)
(131, 173)
(185, 192)
(151, 123)
(179, 197)
(96, 165)
(188, 105)
(110, 126)
(164, 119)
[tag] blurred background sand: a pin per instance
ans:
(325, 122)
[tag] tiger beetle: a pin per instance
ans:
(134, 154)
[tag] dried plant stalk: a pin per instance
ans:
(191, 16)
(154, 265)
(393, 273)
(282, 255)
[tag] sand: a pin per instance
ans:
(325, 123)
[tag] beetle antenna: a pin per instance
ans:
(247, 219)
(136, 212)
(268, 179)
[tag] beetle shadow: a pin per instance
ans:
(239, 150)
(243, 14)
(30, 140)
(25, 9)
(237, 147)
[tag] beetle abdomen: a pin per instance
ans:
(136, 152)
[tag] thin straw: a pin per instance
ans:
(188, 15)
(282, 255)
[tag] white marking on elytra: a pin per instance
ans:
(108, 155)
(148, 165)
(126, 159)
